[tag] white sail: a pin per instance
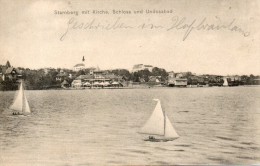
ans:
(225, 82)
(18, 101)
(26, 105)
(169, 130)
(155, 124)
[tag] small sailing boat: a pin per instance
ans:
(225, 82)
(159, 125)
(20, 105)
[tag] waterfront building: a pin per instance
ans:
(9, 73)
(176, 79)
(100, 79)
(256, 81)
(139, 67)
(76, 83)
(181, 82)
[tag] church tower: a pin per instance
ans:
(80, 66)
(84, 62)
(8, 64)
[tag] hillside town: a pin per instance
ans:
(141, 76)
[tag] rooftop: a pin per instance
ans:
(79, 65)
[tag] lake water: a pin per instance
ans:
(100, 127)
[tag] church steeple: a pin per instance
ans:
(8, 64)
(83, 59)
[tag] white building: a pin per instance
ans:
(177, 82)
(139, 67)
(76, 84)
(79, 67)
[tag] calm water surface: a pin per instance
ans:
(99, 127)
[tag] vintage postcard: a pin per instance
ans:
(129, 82)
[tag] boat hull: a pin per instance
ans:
(159, 139)
(15, 113)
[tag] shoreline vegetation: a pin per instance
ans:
(50, 78)
(134, 87)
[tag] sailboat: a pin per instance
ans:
(159, 125)
(225, 82)
(20, 105)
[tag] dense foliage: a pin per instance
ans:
(37, 79)
(144, 75)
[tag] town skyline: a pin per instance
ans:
(131, 69)
(30, 36)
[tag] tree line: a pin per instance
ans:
(39, 79)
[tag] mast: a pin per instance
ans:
(22, 97)
(164, 120)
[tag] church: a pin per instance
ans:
(80, 66)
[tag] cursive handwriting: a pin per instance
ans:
(93, 25)
(179, 24)
(175, 23)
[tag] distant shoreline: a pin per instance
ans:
(137, 87)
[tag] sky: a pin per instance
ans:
(31, 34)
